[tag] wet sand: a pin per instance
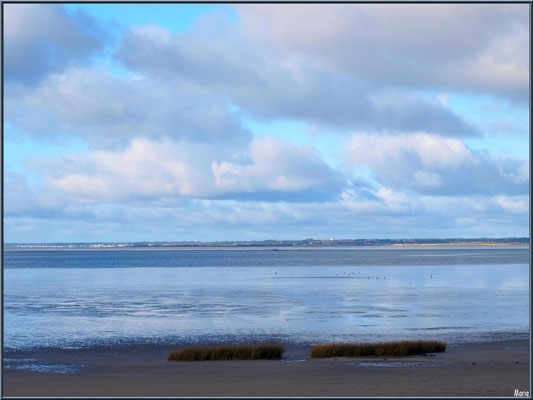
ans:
(475, 369)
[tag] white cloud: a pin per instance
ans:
(21, 200)
(267, 168)
(424, 178)
(109, 111)
(144, 168)
(43, 38)
(277, 166)
(391, 214)
(268, 86)
(465, 47)
(434, 165)
(517, 206)
(129, 205)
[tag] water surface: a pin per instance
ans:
(76, 298)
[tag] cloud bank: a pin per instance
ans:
(266, 169)
(268, 86)
(440, 166)
(169, 156)
(466, 47)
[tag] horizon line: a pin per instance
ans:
(281, 241)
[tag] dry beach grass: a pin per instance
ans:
(228, 352)
(402, 349)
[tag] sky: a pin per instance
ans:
(172, 122)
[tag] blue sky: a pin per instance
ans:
(237, 122)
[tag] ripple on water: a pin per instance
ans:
(399, 364)
(34, 365)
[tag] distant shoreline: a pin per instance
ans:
(257, 247)
(250, 246)
(260, 248)
(463, 244)
(274, 243)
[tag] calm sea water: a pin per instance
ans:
(71, 298)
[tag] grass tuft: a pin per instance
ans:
(405, 348)
(228, 352)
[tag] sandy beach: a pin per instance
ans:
(471, 369)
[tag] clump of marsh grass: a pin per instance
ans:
(228, 352)
(404, 348)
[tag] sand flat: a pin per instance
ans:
(500, 368)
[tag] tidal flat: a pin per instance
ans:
(494, 368)
(97, 323)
